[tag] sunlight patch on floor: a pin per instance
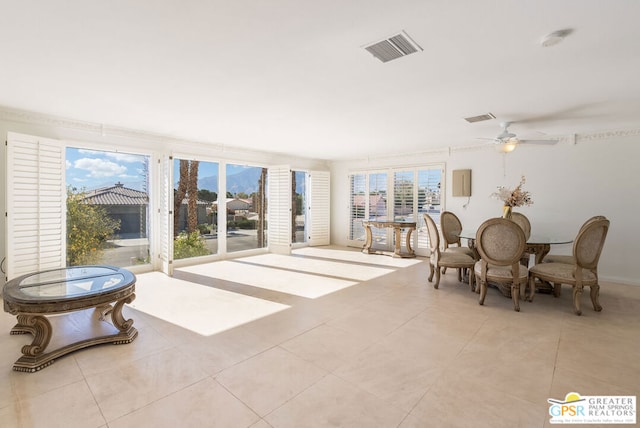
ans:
(356, 256)
(285, 281)
(201, 309)
(331, 268)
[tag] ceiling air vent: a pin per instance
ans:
(396, 46)
(480, 118)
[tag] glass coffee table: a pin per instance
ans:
(74, 300)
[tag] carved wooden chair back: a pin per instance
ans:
(432, 231)
(522, 221)
(500, 242)
(589, 243)
(451, 228)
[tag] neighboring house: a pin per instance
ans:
(377, 204)
(235, 205)
(127, 205)
(202, 212)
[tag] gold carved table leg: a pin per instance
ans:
(410, 251)
(36, 356)
(397, 231)
(369, 239)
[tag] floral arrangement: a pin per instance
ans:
(513, 198)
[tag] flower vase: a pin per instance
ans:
(506, 211)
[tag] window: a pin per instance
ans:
(195, 208)
(429, 201)
(412, 192)
(358, 207)
(107, 208)
(246, 204)
(299, 207)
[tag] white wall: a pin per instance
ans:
(569, 183)
(599, 175)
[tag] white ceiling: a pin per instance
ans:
(292, 76)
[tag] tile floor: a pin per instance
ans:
(330, 337)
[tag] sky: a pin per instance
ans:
(91, 169)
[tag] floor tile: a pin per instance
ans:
(203, 404)
(269, 379)
(332, 402)
(127, 388)
(69, 406)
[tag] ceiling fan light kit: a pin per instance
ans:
(506, 141)
(506, 146)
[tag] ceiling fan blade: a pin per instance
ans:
(547, 142)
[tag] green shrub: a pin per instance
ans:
(88, 229)
(189, 245)
(242, 224)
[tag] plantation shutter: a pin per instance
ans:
(403, 201)
(357, 208)
(319, 208)
(279, 209)
(166, 215)
(429, 200)
(36, 211)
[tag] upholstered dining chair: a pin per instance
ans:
(562, 258)
(522, 221)
(442, 259)
(450, 226)
(587, 248)
(500, 243)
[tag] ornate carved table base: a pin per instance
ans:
(397, 230)
(74, 331)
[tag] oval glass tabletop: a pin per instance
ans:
(67, 283)
(533, 239)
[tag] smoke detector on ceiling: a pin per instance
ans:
(393, 47)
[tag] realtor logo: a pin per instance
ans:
(606, 409)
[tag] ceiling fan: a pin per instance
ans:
(506, 141)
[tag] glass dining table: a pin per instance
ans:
(538, 245)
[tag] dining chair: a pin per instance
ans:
(587, 248)
(500, 243)
(562, 258)
(441, 259)
(522, 221)
(451, 227)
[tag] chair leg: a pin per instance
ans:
(515, 295)
(471, 280)
(483, 291)
(595, 292)
(532, 288)
(577, 295)
(431, 272)
(557, 289)
(459, 275)
(437, 278)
